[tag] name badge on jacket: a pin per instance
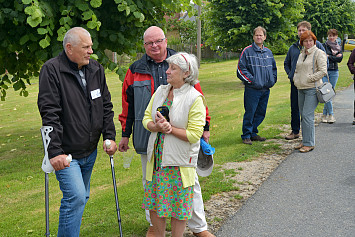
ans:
(95, 94)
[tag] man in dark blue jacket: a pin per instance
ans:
(257, 70)
(290, 67)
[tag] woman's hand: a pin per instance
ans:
(161, 124)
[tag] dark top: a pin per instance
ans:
(78, 118)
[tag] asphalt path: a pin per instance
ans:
(309, 194)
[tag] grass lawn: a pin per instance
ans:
(22, 180)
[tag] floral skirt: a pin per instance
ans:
(165, 193)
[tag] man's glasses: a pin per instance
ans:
(158, 42)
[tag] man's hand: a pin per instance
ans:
(113, 148)
(59, 162)
(206, 136)
(123, 145)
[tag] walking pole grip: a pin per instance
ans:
(48, 168)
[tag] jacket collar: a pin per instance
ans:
(66, 65)
(179, 91)
(297, 44)
(169, 52)
(182, 89)
(257, 48)
(311, 50)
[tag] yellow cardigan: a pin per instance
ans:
(193, 135)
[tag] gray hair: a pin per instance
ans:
(72, 36)
(186, 62)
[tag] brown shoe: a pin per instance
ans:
(258, 138)
(292, 136)
(305, 149)
(299, 146)
(204, 233)
(150, 232)
(246, 141)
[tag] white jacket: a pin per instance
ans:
(176, 152)
(304, 77)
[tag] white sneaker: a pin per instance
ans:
(324, 118)
(331, 119)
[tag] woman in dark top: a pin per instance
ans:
(335, 56)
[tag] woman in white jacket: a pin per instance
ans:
(173, 145)
(311, 67)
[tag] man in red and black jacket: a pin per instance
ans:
(142, 79)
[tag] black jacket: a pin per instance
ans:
(333, 59)
(78, 118)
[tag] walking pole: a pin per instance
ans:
(47, 168)
(108, 145)
(47, 203)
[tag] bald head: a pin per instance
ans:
(153, 30)
(155, 43)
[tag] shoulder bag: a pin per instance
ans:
(325, 92)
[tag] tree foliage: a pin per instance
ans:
(229, 23)
(330, 14)
(187, 30)
(32, 31)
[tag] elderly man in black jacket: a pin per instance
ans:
(74, 99)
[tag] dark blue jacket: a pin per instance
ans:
(292, 57)
(257, 67)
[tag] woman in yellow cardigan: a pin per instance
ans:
(173, 145)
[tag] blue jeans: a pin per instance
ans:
(333, 79)
(255, 104)
(74, 181)
(307, 101)
(295, 113)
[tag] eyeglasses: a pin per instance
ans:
(158, 42)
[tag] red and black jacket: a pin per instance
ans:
(137, 90)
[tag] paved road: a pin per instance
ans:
(311, 194)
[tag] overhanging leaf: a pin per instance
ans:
(95, 3)
(26, 1)
(24, 39)
(42, 31)
(44, 43)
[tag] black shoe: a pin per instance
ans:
(247, 141)
(258, 138)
